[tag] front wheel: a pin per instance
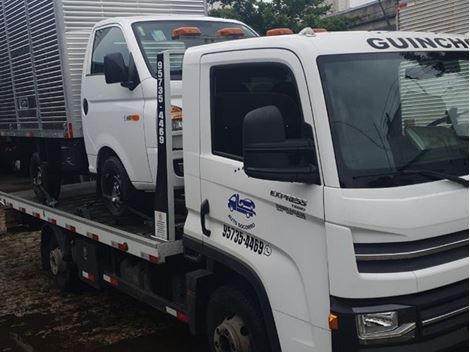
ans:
(235, 323)
(116, 188)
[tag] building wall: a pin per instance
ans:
(338, 5)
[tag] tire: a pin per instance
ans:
(116, 188)
(62, 270)
(44, 178)
(234, 322)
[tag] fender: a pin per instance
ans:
(247, 273)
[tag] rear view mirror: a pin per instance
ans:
(115, 70)
(269, 155)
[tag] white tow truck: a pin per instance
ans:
(325, 201)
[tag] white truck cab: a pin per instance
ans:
(334, 168)
(119, 101)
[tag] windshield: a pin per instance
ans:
(397, 112)
(177, 36)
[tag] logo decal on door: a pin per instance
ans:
(245, 209)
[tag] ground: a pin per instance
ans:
(36, 317)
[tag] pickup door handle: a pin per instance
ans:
(204, 212)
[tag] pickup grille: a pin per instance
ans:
(413, 255)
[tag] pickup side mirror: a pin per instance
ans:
(115, 70)
(269, 155)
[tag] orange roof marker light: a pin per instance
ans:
(185, 32)
(279, 31)
(230, 32)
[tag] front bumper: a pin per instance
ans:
(441, 317)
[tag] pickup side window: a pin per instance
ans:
(107, 41)
(238, 89)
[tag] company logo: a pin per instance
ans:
(245, 207)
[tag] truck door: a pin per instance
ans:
(113, 116)
(274, 227)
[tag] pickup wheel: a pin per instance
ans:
(116, 188)
(234, 322)
(46, 180)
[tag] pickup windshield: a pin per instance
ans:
(177, 36)
(397, 118)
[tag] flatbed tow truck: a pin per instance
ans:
(324, 210)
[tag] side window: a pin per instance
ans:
(238, 89)
(107, 41)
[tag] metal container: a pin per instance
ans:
(42, 47)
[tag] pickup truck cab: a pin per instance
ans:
(119, 86)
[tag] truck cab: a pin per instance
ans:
(350, 153)
(119, 96)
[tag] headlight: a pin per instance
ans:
(176, 118)
(383, 327)
(177, 125)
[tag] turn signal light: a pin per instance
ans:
(185, 31)
(333, 321)
(279, 31)
(230, 32)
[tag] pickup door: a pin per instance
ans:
(115, 113)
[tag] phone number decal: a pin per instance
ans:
(242, 239)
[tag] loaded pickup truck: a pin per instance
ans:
(350, 151)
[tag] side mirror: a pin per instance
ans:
(269, 155)
(115, 70)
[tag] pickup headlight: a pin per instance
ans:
(176, 118)
(378, 328)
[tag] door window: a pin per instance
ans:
(107, 41)
(238, 89)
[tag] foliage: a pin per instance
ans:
(263, 15)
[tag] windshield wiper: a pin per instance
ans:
(427, 173)
(436, 175)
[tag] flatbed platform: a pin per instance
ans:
(79, 210)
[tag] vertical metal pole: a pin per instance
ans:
(164, 209)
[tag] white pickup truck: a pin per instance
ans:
(325, 203)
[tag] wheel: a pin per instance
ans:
(234, 322)
(62, 270)
(116, 187)
(46, 182)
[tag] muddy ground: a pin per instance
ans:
(36, 317)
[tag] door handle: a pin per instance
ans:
(204, 212)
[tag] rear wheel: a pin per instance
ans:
(235, 323)
(61, 268)
(116, 187)
(45, 179)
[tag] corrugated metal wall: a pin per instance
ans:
(42, 46)
(442, 16)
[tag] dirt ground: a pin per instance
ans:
(36, 317)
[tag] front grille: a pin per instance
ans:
(441, 317)
(441, 311)
(413, 255)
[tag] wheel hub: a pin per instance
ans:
(232, 336)
(116, 191)
(55, 260)
(37, 179)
